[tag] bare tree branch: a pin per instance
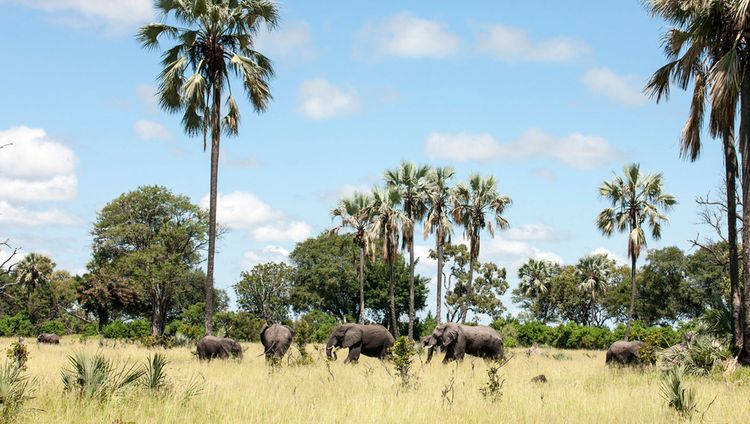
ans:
(4, 267)
(5, 145)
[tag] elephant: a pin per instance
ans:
(622, 352)
(48, 338)
(210, 347)
(457, 340)
(369, 340)
(276, 340)
(431, 344)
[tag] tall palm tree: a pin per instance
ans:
(354, 213)
(438, 221)
(33, 271)
(410, 180)
(594, 274)
(214, 42)
(386, 218)
(476, 205)
(536, 276)
(636, 199)
(702, 36)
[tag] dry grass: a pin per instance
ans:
(580, 390)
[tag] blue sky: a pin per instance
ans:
(546, 99)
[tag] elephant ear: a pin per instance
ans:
(263, 330)
(450, 335)
(352, 337)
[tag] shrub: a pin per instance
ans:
(154, 375)
(493, 389)
(321, 325)
(677, 396)
(137, 329)
(115, 330)
(191, 332)
(301, 339)
(19, 353)
(15, 389)
(94, 377)
(698, 358)
(239, 325)
(403, 355)
(53, 327)
(533, 332)
(90, 330)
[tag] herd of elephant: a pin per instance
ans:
(455, 340)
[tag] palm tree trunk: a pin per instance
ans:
(392, 295)
(361, 285)
(411, 288)
(439, 300)
(469, 293)
(215, 142)
(730, 166)
(744, 144)
(633, 259)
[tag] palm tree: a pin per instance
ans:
(536, 277)
(33, 271)
(703, 36)
(354, 213)
(386, 219)
(472, 203)
(214, 40)
(438, 221)
(595, 274)
(636, 199)
(410, 180)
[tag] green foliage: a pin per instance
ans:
(16, 388)
(53, 327)
(17, 325)
(19, 353)
(264, 291)
(493, 388)
(699, 357)
(678, 397)
(321, 325)
(239, 325)
(403, 353)
(302, 333)
(133, 330)
(94, 377)
(154, 374)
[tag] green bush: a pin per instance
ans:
(138, 329)
(192, 332)
(239, 325)
(115, 330)
(53, 327)
(90, 330)
(533, 332)
(17, 325)
(321, 325)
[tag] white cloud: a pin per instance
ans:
(283, 231)
(512, 254)
(531, 232)
(405, 35)
(549, 256)
(149, 130)
(576, 150)
(320, 99)
(291, 42)
(620, 260)
(34, 155)
(146, 94)
(514, 45)
(24, 217)
(624, 90)
(269, 253)
(59, 187)
(246, 211)
(347, 190)
(116, 15)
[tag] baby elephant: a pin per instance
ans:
(276, 340)
(211, 347)
(625, 353)
(48, 338)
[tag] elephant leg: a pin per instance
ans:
(354, 352)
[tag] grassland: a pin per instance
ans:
(580, 390)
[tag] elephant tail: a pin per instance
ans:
(269, 350)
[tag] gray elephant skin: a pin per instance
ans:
(210, 347)
(624, 353)
(48, 338)
(276, 340)
(458, 340)
(369, 340)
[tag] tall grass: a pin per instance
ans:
(92, 377)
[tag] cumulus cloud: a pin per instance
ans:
(405, 35)
(59, 187)
(24, 217)
(246, 211)
(531, 232)
(624, 90)
(620, 260)
(150, 130)
(269, 253)
(290, 42)
(576, 150)
(347, 190)
(322, 100)
(510, 44)
(114, 15)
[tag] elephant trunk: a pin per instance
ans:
(330, 353)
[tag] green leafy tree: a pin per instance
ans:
(215, 40)
(103, 293)
(476, 205)
(438, 222)
(636, 200)
(536, 277)
(354, 213)
(594, 274)
(411, 182)
(152, 238)
(32, 272)
(265, 291)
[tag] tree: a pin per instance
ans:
(438, 222)
(265, 291)
(636, 199)
(472, 203)
(101, 293)
(6, 262)
(410, 180)
(387, 218)
(215, 39)
(703, 47)
(594, 274)
(152, 238)
(536, 277)
(33, 271)
(354, 213)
